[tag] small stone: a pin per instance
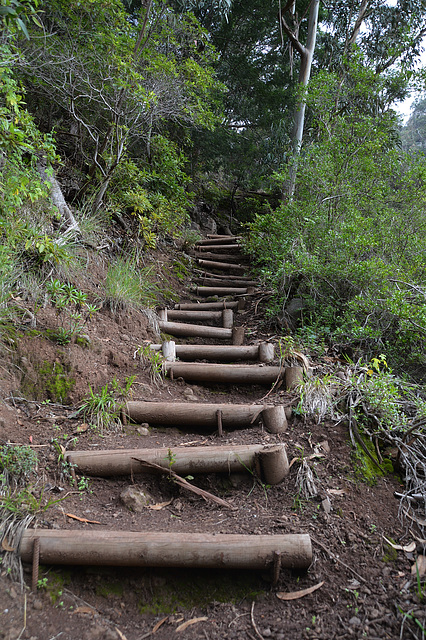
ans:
(267, 633)
(188, 392)
(135, 499)
(37, 604)
(125, 337)
(355, 622)
(142, 431)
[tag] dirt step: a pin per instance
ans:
(226, 257)
(224, 282)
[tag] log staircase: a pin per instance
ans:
(222, 287)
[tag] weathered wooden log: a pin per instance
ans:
(160, 549)
(220, 257)
(227, 318)
(184, 460)
(188, 316)
(235, 248)
(225, 373)
(238, 336)
(222, 304)
(162, 314)
(229, 276)
(198, 330)
(266, 352)
(274, 419)
(221, 291)
(225, 282)
(274, 464)
(190, 414)
(221, 266)
(168, 348)
(219, 240)
(224, 353)
(293, 378)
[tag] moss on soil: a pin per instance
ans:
(181, 593)
(52, 380)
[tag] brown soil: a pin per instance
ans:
(366, 585)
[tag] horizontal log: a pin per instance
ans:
(207, 274)
(223, 304)
(219, 257)
(197, 330)
(221, 266)
(219, 240)
(225, 282)
(225, 373)
(218, 247)
(161, 549)
(201, 315)
(183, 460)
(191, 414)
(221, 291)
(225, 353)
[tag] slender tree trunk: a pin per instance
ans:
(306, 55)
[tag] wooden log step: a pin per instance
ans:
(225, 373)
(184, 460)
(221, 291)
(195, 330)
(193, 306)
(222, 266)
(194, 414)
(228, 247)
(173, 314)
(226, 353)
(219, 240)
(207, 274)
(161, 549)
(225, 282)
(218, 257)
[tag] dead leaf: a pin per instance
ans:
(6, 546)
(337, 492)
(82, 428)
(409, 548)
(70, 515)
(419, 567)
(159, 505)
(158, 625)
(188, 623)
(295, 595)
(84, 609)
(121, 634)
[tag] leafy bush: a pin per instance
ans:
(349, 242)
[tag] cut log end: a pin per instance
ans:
(273, 464)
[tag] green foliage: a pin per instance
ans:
(349, 242)
(17, 464)
(103, 409)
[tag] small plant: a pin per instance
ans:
(72, 309)
(103, 409)
(154, 361)
(129, 286)
(17, 464)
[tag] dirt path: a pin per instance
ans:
(363, 585)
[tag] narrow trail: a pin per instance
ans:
(207, 529)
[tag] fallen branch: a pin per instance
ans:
(187, 485)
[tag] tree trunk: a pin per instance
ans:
(306, 55)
